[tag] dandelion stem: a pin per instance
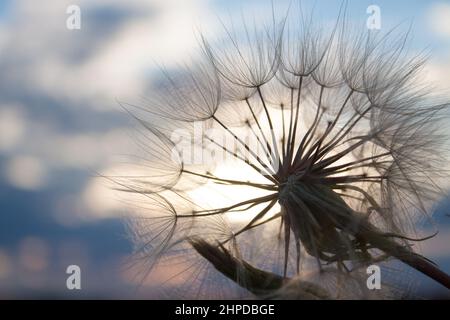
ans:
(225, 209)
(311, 129)
(326, 162)
(259, 216)
(352, 165)
(233, 182)
(252, 130)
(274, 217)
(274, 153)
(242, 143)
(267, 148)
(283, 137)
(291, 120)
(336, 118)
(294, 130)
(405, 255)
(347, 127)
(246, 161)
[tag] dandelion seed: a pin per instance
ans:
(347, 159)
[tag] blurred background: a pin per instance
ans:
(60, 123)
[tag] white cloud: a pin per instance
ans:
(100, 200)
(121, 60)
(12, 127)
(437, 247)
(100, 197)
(26, 172)
(46, 150)
(439, 19)
(437, 73)
(86, 69)
(85, 151)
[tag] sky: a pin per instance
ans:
(61, 124)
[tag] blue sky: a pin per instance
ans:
(60, 123)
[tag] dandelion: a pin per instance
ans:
(335, 157)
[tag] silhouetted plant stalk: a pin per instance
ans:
(351, 151)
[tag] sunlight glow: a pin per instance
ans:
(213, 195)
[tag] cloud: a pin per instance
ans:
(110, 56)
(12, 127)
(438, 247)
(101, 200)
(26, 172)
(83, 151)
(33, 150)
(439, 19)
(58, 111)
(437, 73)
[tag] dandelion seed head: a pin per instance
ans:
(344, 143)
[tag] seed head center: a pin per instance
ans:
(287, 188)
